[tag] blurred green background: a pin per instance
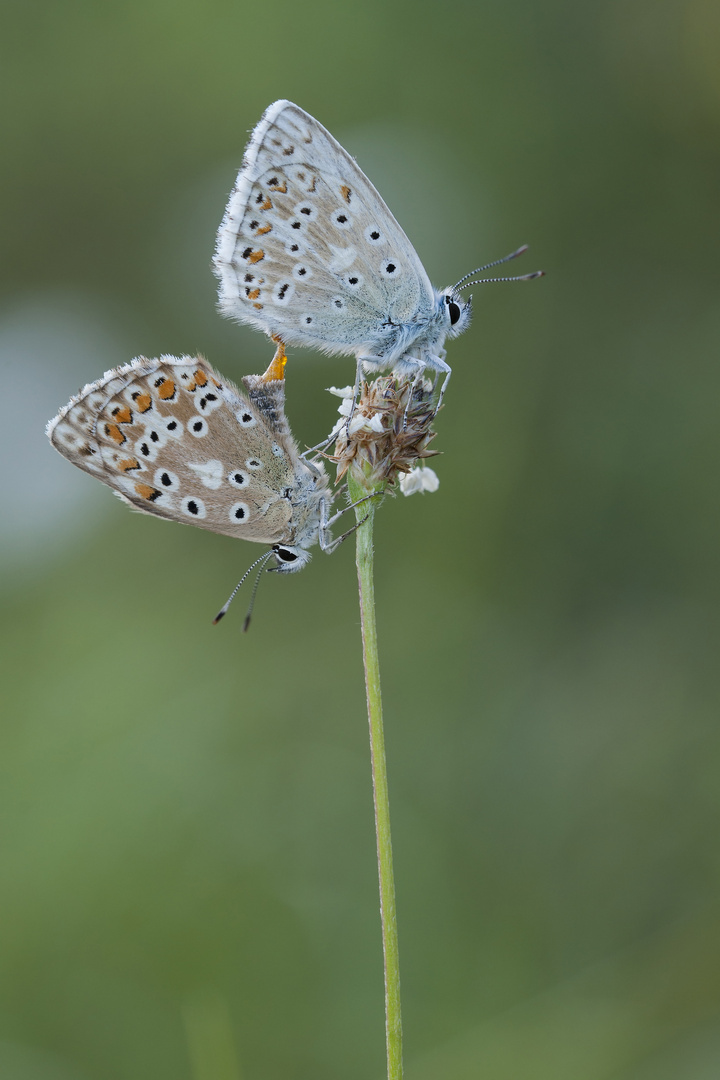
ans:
(187, 857)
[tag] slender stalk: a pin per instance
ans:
(364, 561)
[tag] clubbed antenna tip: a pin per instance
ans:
(262, 560)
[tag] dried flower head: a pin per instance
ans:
(389, 432)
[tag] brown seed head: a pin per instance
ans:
(390, 430)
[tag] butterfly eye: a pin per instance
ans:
(453, 310)
(284, 553)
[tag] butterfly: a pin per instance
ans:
(308, 250)
(174, 438)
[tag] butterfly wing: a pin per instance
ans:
(175, 439)
(309, 251)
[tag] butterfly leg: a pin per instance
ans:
(415, 368)
(448, 372)
(441, 354)
(359, 371)
(322, 445)
(440, 367)
(365, 365)
(329, 522)
(311, 464)
(328, 543)
(370, 360)
(329, 548)
(411, 365)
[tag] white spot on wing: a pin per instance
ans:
(210, 473)
(343, 258)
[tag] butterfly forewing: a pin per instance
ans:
(308, 249)
(175, 439)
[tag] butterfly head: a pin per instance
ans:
(289, 558)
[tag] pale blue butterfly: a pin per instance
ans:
(308, 251)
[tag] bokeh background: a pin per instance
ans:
(187, 857)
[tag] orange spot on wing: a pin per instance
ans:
(256, 256)
(123, 415)
(282, 188)
(265, 229)
(258, 306)
(166, 389)
(113, 432)
(199, 379)
(254, 294)
(145, 491)
(143, 402)
(266, 205)
(345, 192)
(128, 464)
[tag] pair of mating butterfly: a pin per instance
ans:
(309, 253)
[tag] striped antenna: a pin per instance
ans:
(496, 262)
(487, 280)
(223, 610)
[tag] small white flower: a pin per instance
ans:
(366, 423)
(420, 479)
(343, 391)
(345, 407)
(375, 424)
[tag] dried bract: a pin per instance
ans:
(389, 432)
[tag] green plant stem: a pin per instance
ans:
(364, 561)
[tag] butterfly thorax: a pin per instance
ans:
(310, 491)
(406, 346)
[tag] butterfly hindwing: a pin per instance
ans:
(176, 439)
